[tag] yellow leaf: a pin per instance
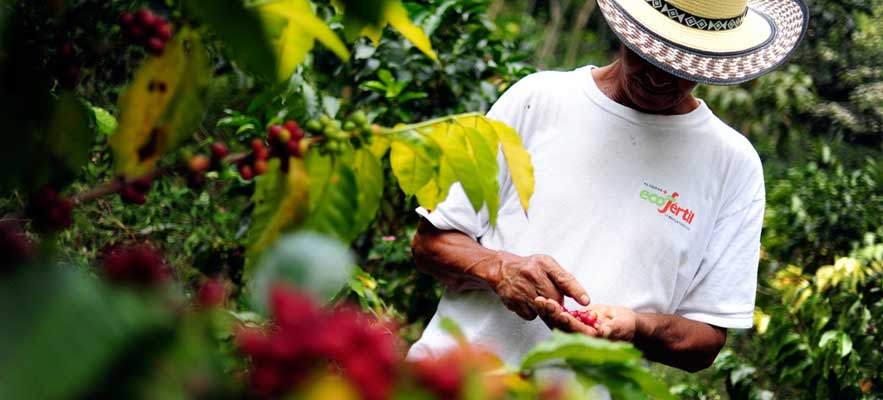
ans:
(162, 106)
(519, 162)
(296, 39)
(397, 16)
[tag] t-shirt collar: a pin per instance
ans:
(695, 117)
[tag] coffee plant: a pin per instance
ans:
(212, 133)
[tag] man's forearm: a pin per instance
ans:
(454, 258)
(677, 341)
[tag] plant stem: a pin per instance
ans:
(449, 118)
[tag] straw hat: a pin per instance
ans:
(722, 42)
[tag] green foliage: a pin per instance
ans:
(100, 326)
(598, 361)
(817, 337)
(822, 209)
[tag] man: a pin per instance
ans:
(647, 208)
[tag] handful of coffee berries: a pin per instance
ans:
(147, 29)
(585, 316)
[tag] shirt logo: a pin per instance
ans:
(668, 205)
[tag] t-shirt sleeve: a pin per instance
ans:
(456, 212)
(723, 291)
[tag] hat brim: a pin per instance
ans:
(770, 33)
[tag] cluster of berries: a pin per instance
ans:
(585, 316)
(446, 375)
(135, 192)
(49, 211)
(199, 164)
(140, 266)
(147, 29)
(306, 336)
(356, 130)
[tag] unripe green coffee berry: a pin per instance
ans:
(325, 120)
(349, 126)
(314, 126)
(359, 118)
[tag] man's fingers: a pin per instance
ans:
(548, 290)
(569, 323)
(568, 284)
(523, 310)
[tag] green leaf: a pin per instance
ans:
(105, 122)
(334, 197)
(281, 202)
(241, 29)
(581, 348)
(162, 106)
(840, 339)
(369, 179)
(315, 263)
(300, 27)
(71, 133)
(63, 330)
(615, 365)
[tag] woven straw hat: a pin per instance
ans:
(722, 42)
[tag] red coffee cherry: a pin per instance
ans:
(246, 172)
(211, 294)
(140, 265)
(219, 150)
(260, 166)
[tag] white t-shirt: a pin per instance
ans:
(605, 175)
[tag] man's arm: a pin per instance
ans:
(669, 339)
(679, 342)
(461, 263)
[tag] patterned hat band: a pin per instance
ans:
(694, 21)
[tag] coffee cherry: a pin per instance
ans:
(199, 163)
(296, 132)
(273, 133)
(284, 135)
(314, 126)
(211, 294)
(334, 133)
(359, 118)
(246, 172)
(219, 150)
(257, 145)
(260, 166)
(349, 126)
(303, 147)
(126, 20)
(155, 46)
(141, 266)
(144, 17)
(293, 147)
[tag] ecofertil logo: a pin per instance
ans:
(668, 205)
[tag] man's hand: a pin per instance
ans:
(519, 280)
(553, 314)
(614, 323)
(670, 339)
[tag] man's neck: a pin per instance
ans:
(610, 80)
